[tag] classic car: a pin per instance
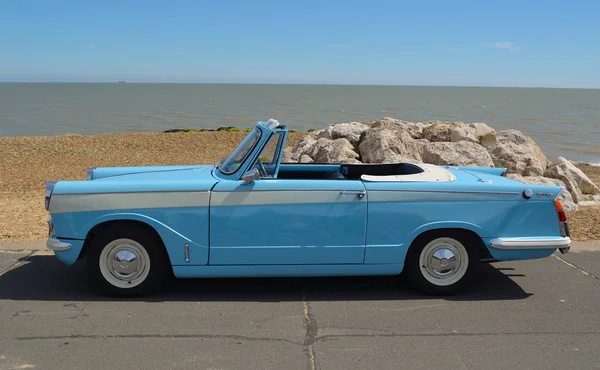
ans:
(251, 215)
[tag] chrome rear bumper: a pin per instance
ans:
(562, 243)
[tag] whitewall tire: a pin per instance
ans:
(442, 262)
(127, 261)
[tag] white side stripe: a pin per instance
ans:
(66, 203)
(247, 198)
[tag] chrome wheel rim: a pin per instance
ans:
(124, 263)
(444, 261)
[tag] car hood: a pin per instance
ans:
(142, 179)
(104, 172)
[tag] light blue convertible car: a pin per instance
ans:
(252, 216)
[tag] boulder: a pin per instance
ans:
(304, 146)
(349, 131)
(315, 133)
(575, 180)
(442, 131)
(381, 143)
(464, 134)
(565, 197)
(518, 154)
(305, 159)
(414, 129)
(462, 153)
(287, 158)
(479, 133)
(485, 135)
(396, 158)
(351, 161)
(333, 151)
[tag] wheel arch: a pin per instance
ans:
(468, 230)
(172, 241)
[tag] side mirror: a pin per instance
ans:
(250, 176)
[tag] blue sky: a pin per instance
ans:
(484, 43)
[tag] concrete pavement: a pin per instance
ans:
(539, 314)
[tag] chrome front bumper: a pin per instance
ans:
(561, 243)
(57, 245)
(53, 243)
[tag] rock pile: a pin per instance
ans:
(391, 140)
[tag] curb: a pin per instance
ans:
(28, 245)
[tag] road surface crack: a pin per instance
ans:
(312, 329)
(583, 271)
(442, 334)
(159, 336)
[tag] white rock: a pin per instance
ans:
(333, 151)
(462, 153)
(351, 161)
(415, 130)
(592, 200)
(396, 158)
(315, 134)
(349, 131)
(442, 131)
(464, 134)
(382, 143)
(485, 135)
(518, 154)
(287, 158)
(305, 159)
(575, 180)
(304, 146)
(566, 199)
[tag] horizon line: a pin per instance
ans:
(293, 84)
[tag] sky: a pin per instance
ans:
(457, 43)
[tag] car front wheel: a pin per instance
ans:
(442, 263)
(126, 262)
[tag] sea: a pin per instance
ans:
(564, 122)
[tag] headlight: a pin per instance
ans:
(90, 172)
(49, 188)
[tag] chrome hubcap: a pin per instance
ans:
(444, 261)
(124, 263)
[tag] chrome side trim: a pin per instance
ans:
(56, 245)
(530, 243)
(376, 190)
(137, 192)
(435, 196)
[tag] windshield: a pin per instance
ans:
(231, 163)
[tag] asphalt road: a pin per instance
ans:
(541, 314)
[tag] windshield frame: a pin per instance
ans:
(258, 133)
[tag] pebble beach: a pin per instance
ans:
(27, 162)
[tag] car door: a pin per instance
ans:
(289, 222)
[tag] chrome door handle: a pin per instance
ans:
(359, 193)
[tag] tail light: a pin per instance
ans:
(562, 218)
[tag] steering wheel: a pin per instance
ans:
(262, 167)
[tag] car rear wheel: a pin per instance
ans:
(441, 263)
(126, 262)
